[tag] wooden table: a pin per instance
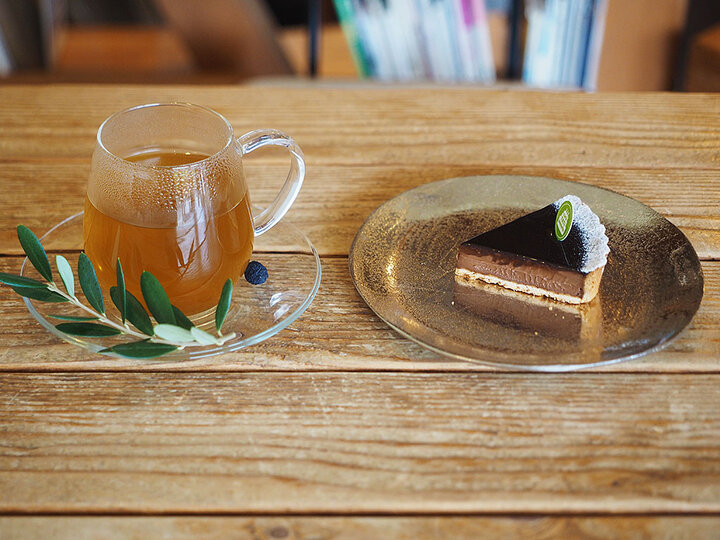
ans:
(338, 427)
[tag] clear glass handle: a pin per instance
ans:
(282, 202)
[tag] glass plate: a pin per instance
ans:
(402, 262)
(257, 312)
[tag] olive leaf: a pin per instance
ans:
(134, 311)
(21, 281)
(203, 337)
(223, 305)
(140, 349)
(170, 332)
(156, 299)
(89, 283)
(34, 251)
(87, 329)
(43, 295)
(122, 300)
(66, 274)
(72, 318)
(181, 319)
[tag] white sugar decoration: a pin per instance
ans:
(592, 233)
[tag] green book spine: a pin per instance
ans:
(347, 22)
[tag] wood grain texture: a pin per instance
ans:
(349, 443)
(330, 211)
(338, 332)
(420, 127)
(359, 528)
(662, 149)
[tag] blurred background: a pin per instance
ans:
(568, 44)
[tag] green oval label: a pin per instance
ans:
(563, 220)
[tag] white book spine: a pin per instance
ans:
(392, 38)
(439, 41)
(532, 41)
(483, 43)
(431, 42)
(418, 36)
(560, 31)
(580, 42)
(464, 24)
(592, 61)
(368, 45)
(452, 39)
(546, 46)
(403, 17)
(570, 26)
(428, 54)
(383, 62)
(407, 20)
(387, 38)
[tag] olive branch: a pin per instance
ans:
(172, 331)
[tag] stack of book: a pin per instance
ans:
(441, 40)
(563, 42)
(449, 40)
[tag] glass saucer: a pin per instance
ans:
(402, 262)
(257, 312)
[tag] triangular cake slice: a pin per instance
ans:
(527, 255)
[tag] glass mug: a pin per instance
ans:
(167, 194)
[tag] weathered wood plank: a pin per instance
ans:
(371, 125)
(359, 443)
(359, 528)
(331, 211)
(338, 331)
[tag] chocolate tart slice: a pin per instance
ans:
(559, 251)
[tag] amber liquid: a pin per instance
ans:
(191, 260)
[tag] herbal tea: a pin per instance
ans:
(159, 158)
(192, 242)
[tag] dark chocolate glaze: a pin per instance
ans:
(533, 236)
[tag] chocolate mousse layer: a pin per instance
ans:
(521, 270)
(534, 314)
(520, 311)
